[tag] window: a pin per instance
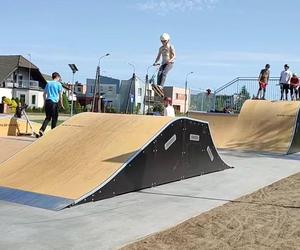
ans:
(33, 99)
(139, 91)
(22, 99)
(19, 80)
(180, 96)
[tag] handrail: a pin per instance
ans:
(236, 80)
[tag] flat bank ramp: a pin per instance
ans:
(10, 145)
(95, 156)
(260, 126)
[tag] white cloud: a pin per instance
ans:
(163, 7)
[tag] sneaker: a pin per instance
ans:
(41, 133)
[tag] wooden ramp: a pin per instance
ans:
(11, 126)
(95, 156)
(10, 145)
(261, 126)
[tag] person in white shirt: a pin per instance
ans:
(169, 109)
(284, 81)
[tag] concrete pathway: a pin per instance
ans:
(112, 223)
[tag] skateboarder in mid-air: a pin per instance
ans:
(167, 52)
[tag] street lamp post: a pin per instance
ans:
(185, 90)
(97, 86)
(74, 70)
(147, 90)
(129, 97)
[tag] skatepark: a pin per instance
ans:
(84, 182)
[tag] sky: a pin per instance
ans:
(218, 40)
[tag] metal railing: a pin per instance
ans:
(22, 84)
(232, 95)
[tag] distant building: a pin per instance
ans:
(21, 79)
(178, 98)
(132, 96)
(109, 88)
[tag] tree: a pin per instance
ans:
(242, 97)
(66, 104)
(78, 108)
(158, 107)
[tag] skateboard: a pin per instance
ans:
(157, 90)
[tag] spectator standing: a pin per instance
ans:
(284, 81)
(169, 109)
(294, 87)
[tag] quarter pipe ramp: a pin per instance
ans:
(260, 126)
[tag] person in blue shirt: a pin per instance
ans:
(52, 96)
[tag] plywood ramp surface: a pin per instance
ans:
(265, 126)
(10, 145)
(261, 126)
(221, 125)
(77, 156)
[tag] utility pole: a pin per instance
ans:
(185, 90)
(97, 87)
(74, 70)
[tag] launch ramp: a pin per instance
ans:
(95, 156)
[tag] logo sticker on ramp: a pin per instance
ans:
(170, 142)
(194, 137)
(210, 154)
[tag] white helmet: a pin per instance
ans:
(165, 37)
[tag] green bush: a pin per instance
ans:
(77, 109)
(110, 110)
(158, 107)
(67, 109)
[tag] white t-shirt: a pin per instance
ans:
(285, 76)
(169, 111)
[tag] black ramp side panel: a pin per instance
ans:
(295, 145)
(201, 153)
(183, 149)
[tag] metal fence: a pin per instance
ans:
(231, 96)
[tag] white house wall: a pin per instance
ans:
(39, 101)
(5, 92)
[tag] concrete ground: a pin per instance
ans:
(112, 223)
